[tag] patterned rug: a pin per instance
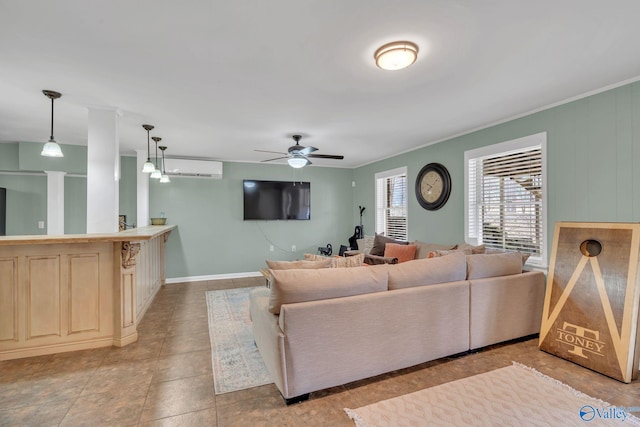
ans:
(236, 361)
(515, 395)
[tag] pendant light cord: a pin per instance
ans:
(148, 150)
(51, 137)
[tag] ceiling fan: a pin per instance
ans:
(298, 156)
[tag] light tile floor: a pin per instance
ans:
(165, 379)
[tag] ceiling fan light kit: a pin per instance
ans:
(297, 155)
(396, 55)
(298, 162)
(51, 148)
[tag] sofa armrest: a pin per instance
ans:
(377, 259)
(352, 252)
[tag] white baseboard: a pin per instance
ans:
(212, 277)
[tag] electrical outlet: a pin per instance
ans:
(293, 248)
(270, 248)
(40, 224)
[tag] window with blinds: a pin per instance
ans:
(391, 203)
(505, 197)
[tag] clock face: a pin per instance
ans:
(433, 186)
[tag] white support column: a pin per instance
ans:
(55, 202)
(143, 190)
(103, 171)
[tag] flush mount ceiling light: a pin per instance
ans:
(165, 178)
(51, 148)
(148, 167)
(396, 55)
(156, 174)
(297, 162)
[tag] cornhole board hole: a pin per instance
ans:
(590, 314)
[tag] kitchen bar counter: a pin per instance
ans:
(73, 292)
(133, 234)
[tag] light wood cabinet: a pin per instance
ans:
(75, 292)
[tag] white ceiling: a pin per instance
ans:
(220, 79)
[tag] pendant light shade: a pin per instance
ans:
(148, 166)
(51, 148)
(165, 178)
(156, 174)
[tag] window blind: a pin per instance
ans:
(391, 205)
(505, 200)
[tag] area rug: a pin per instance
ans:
(236, 361)
(515, 395)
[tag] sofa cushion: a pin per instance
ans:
(291, 286)
(525, 255)
(379, 243)
(421, 272)
(296, 265)
(493, 265)
(404, 253)
(423, 248)
(338, 262)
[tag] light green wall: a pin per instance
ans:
(593, 165)
(212, 237)
(21, 173)
(593, 171)
(128, 189)
(26, 203)
(74, 160)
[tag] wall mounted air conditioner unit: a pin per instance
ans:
(193, 168)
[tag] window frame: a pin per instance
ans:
(505, 148)
(385, 175)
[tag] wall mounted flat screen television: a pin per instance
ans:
(276, 200)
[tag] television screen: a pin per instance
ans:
(273, 200)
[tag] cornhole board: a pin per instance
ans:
(590, 314)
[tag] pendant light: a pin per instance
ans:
(148, 167)
(156, 174)
(51, 148)
(165, 178)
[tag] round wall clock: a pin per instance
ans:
(433, 186)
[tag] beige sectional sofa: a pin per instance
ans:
(321, 328)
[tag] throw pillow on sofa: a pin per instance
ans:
(297, 265)
(423, 248)
(480, 249)
(404, 253)
(379, 243)
(435, 254)
(338, 262)
(365, 244)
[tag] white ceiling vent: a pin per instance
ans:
(193, 168)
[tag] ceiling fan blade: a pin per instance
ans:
(270, 160)
(307, 150)
(274, 152)
(326, 156)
